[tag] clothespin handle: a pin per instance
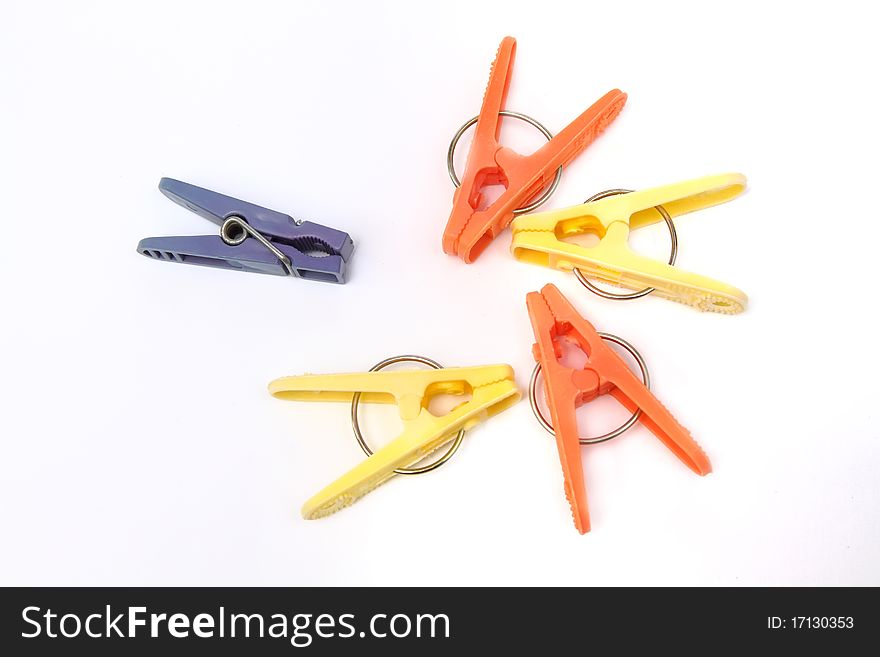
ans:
(374, 387)
(659, 421)
(410, 389)
(212, 251)
(488, 129)
(677, 199)
(412, 445)
(216, 207)
(566, 145)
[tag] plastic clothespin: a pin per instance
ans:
(565, 388)
(492, 389)
(539, 239)
(471, 228)
(252, 238)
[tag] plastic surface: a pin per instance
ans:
(315, 252)
(565, 388)
(470, 227)
(539, 239)
(492, 389)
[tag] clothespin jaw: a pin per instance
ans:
(492, 389)
(471, 226)
(252, 238)
(541, 239)
(554, 319)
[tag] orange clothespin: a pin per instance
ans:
(470, 227)
(554, 320)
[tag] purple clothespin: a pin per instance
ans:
(251, 238)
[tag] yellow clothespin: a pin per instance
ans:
(539, 239)
(492, 389)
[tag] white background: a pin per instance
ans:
(139, 443)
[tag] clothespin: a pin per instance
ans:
(540, 239)
(252, 238)
(492, 389)
(472, 227)
(566, 388)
